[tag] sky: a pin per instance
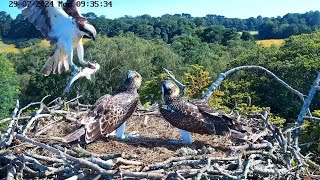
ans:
(197, 8)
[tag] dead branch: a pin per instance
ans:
(268, 153)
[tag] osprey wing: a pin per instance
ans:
(46, 16)
(203, 107)
(186, 116)
(73, 9)
(109, 113)
(222, 121)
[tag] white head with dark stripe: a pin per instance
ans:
(133, 79)
(169, 90)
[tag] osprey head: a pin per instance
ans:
(88, 30)
(169, 89)
(133, 78)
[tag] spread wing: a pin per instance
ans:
(108, 113)
(46, 16)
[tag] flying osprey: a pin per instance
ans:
(64, 27)
(195, 116)
(110, 111)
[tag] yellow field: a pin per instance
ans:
(269, 42)
(9, 46)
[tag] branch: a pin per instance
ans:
(178, 83)
(305, 108)
(312, 118)
(222, 76)
(8, 136)
(44, 146)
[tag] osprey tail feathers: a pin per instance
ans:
(93, 131)
(57, 63)
(76, 135)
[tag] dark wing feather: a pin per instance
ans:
(109, 113)
(186, 116)
(36, 15)
(219, 119)
(73, 10)
(203, 107)
(48, 19)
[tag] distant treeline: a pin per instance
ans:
(168, 26)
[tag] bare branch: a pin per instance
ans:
(222, 76)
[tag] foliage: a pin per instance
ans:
(9, 88)
(198, 80)
(167, 26)
(246, 36)
(115, 56)
(28, 43)
(151, 89)
(196, 50)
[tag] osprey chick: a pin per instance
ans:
(195, 116)
(110, 111)
(63, 27)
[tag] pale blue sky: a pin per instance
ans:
(228, 8)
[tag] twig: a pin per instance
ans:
(8, 136)
(204, 169)
(305, 108)
(222, 76)
(48, 126)
(45, 158)
(248, 165)
(312, 118)
(44, 146)
(216, 166)
(178, 83)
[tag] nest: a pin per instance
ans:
(31, 147)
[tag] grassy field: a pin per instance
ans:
(8, 45)
(251, 32)
(270, 42)
(8, 48)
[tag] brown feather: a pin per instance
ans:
(76, 135)
(194, 115)
(111, 111)
(72, 10)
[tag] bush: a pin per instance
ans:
(28, 43)
(9, 88)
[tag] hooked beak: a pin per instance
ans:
(93, 37)
(167, 84)
(130, 74)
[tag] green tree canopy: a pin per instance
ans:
(9, 86)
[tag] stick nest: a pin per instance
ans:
(31, 148)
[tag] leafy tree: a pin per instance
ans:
(5, 23)
(246, 36)
(115, 55)
(9, 88)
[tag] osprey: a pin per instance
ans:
(110, 111)
(64, 27)
(195, 116)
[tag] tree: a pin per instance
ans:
(9, 88)
(246, 36)
(5, 21)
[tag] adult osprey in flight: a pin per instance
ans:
(195, 116)
(64, 27)
(110, 111)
